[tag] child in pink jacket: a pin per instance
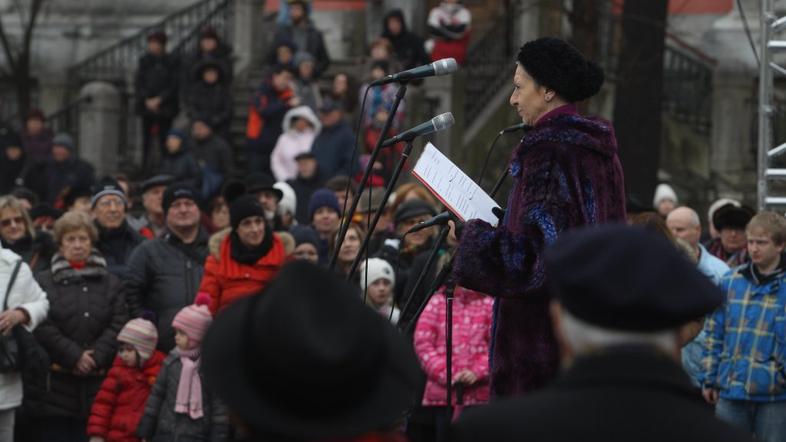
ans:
(471, 336)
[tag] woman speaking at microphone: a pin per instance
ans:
(566, 174)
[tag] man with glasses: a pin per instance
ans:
(116, 239)
(164, 273)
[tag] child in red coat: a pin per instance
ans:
(120, 403)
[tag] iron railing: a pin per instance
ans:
(488, 67)
(117, 63)
(687, 86)
(66, 119)
(687, 75)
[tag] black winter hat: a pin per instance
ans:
(306, 360)
(108, 186)
(557, 65)
(177, 191)
(259, 181)
(304, 235)
(627, 278)
(413, 208)
(244, 207)
(732, 217)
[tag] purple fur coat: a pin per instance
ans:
(566, 174)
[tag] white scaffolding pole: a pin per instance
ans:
(765, 103)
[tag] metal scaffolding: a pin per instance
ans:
(771, 28)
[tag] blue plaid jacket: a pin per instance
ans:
(746, 337)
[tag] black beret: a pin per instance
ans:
(412, 208)
(732, 217)
(626, 278)
(177, 191)
(557, 65)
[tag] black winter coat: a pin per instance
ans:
(222, 55)
(304, 188)
(163, 277)
(182, 166)
(213, 152)
(408, 47)
(625, 394)
(87, 309)
(116, 246)
(157, 77)
(18, 173)
(333, 150)
(315, 44)
(210, 103)
(160, 423)
(71, 173)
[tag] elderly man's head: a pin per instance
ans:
(684, 223)
(609, 293)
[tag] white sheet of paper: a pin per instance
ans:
(453, 187)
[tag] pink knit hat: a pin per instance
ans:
(140, 334)
(195, 319)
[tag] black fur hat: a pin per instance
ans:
(557, 65)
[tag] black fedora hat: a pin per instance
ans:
(259, 181)
(305, 359)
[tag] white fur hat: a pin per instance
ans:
(378, 268)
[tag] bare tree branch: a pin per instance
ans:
(28, 39)
(9, 53)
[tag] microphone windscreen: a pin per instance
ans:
(445, 66)
(443, 121)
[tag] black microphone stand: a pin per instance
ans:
(402, 90)
(388, 190)
(444, 230)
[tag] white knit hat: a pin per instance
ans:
(664, 192)
(378, 268)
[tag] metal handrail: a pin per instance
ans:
(115, 62)
(687, 76)
(488, 66)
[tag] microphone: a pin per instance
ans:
(515, 128)
(436, 124)
(440, 67)
(440, 219)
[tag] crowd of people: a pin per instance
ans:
(147, 323)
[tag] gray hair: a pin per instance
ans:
(584, 337)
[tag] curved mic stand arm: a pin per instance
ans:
(402, 90)
(388, 190)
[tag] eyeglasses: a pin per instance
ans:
(15, 220)
(106, 203)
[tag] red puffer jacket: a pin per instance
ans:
(227, 280)
(120, 403)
